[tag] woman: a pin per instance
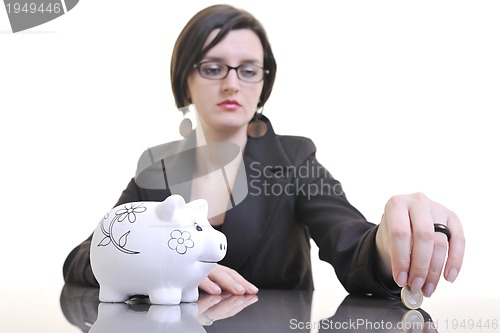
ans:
(223, 65)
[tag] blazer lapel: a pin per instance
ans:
(246, 224)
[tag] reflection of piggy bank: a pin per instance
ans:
(125, 318)
(160, 249)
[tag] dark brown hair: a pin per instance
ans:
(188, 49)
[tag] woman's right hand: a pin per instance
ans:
(223, 278)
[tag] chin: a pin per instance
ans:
(232, 123)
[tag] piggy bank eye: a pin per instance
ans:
(197, 227)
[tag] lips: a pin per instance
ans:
(229, 105)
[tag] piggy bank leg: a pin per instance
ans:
(165, 296)
(190, 295)
(109, 295)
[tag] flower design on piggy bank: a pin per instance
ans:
(180, 241)
(128, 212)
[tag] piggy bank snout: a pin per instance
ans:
(215, 249)
(223, 247)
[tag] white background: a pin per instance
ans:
(398, 96)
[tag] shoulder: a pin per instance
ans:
(279, 150)
(292, 144)
(164, 149)
(152, 159)
(297, 147)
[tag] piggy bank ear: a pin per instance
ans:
(166, 209)
(199, 208)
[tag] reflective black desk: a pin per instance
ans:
(269, 311)
(77, 309)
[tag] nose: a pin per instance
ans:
(231, 82)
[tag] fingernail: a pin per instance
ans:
(239, 289)
(452, 275)
(429, 289)
(215, 289)
(417, 283)
(253, 289)
(402, 279)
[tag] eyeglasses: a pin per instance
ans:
(214, 70)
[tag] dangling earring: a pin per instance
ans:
(186, 126)
(257, 128)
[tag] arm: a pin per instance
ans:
(402, 250)
(344, 237)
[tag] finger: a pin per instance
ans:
(227, 282)
(436, 265)
(423, 237)
(230, 280)
(398, 228)
(210, 287)
(249, 287)
(456, 248)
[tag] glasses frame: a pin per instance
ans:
(229, 68)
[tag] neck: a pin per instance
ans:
(207, 136)
(215, 155)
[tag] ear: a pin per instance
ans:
(199, 207)
(166, 209)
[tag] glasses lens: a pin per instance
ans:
(250, 73)
(212, 70)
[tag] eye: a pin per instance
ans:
(197, 226)
(248, 71)
(211, 69)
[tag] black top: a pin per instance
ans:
(291, 198)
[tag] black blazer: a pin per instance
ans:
(291, 198)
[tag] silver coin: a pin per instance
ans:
(411, 299)
(413, 321)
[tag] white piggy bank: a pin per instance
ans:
(160, 249)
